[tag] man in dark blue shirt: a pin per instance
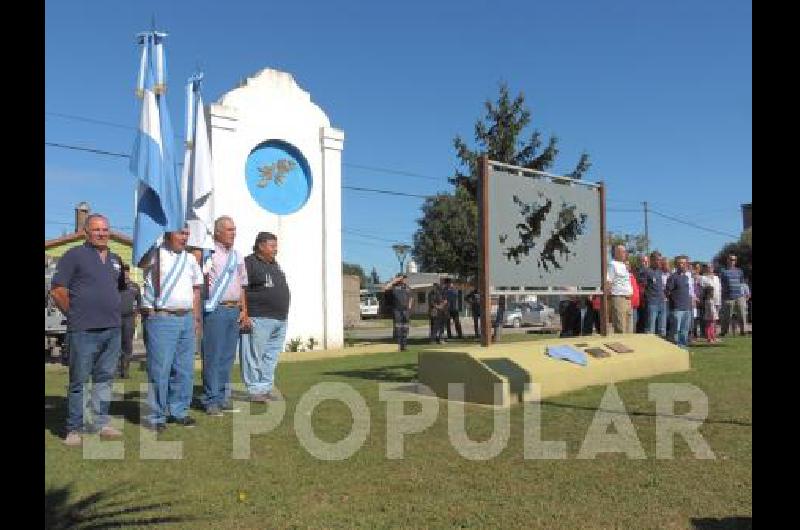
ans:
(679, 294)
(653, 296)
(734, 301)
(86, 289)
(401, 296)
(451, 293)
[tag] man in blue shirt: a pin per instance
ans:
(86, 288)
(653, 296)
(679, 293)
(734, 301)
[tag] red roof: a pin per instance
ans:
(119, 237)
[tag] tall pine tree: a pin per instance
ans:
(447, 237)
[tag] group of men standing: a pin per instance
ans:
(218, 295)
(442, 308)
(673, 302)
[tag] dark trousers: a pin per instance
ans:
(401, 327)
(128, 327)
(641, 318)
(453, 315)
(700, 322)
(476, 324)
(436, 328)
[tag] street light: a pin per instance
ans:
(401, 251)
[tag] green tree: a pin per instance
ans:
(356, 270)
(447, 237)
(499, 134)
(446, 240)
(635, 244)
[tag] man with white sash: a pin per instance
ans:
(224, 311)
(173, 318)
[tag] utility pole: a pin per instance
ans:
(646, 232)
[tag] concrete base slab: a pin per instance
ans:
(515, 364)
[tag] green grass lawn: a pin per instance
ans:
(282, 485)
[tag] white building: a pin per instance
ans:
(277, 168)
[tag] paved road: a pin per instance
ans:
(420, 332)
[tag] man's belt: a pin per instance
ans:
(173, 312)
(230, 303)
(627, 296)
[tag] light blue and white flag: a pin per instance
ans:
(159, 207)
(197, 184)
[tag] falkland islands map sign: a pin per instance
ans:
(544, 233)
(278, 177)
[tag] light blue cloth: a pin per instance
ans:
(567, 353)
(259, 352)
(170, 343)
(159, 207)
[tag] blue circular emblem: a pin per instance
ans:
(278, 177)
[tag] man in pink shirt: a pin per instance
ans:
(224, 312)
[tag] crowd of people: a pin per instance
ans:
(678, 303)
(216, 296)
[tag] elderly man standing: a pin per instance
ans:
(618, 283)
(171, 301)
(85, 287)
(225, 311)
(268, 300)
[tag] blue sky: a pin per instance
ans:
(658, 93)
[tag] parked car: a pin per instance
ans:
(369, 307)
(529, 314)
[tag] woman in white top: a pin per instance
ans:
(709, 278)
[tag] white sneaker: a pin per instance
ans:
(73, 439)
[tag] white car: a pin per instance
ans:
(369, 307)
(529, 314)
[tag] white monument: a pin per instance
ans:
(277, 168)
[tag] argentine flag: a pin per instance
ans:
(197, 186)
(159, 207)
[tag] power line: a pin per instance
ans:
(387, 192)
(87, 149)
(693, 225)
(404, 194)
(346, 164)
(123, 155)
(89, 120)
(98, 122)
(393, 171)
(368, 236)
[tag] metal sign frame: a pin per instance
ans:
(484, 165)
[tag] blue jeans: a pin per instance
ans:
(170, 347)
(220, 335)
(680, 325)
(259, 351)
(93, 353)
(657, 318)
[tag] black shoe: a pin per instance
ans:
(186, 421)
(155, 427)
